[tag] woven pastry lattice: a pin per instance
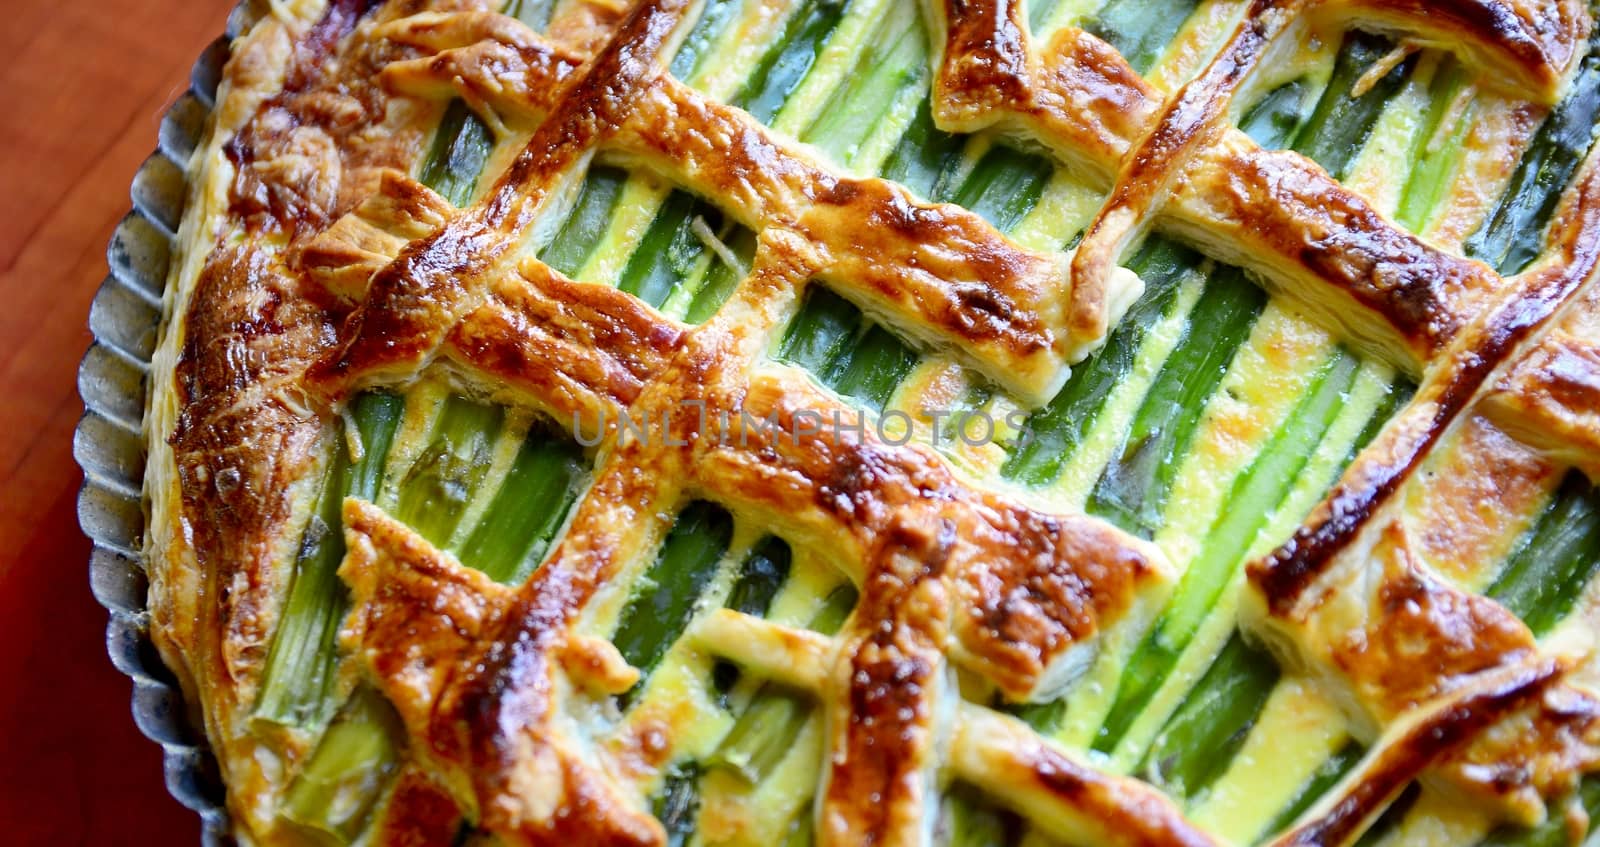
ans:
(952, 573)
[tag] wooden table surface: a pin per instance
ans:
(81, 94)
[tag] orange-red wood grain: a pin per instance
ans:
(82, 88)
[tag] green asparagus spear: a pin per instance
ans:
(1399, 395)
(763, 574)
(924, 155)
(766, 730)
(1056, 430)
(1325, 778)
(441, 482)
(460, 148)
(678, 804)
(713, 21)
(1254, 494)
(1004, 185)
(722, 278)
(763, 735)
(801, 832)
(665, 598)
(534, 13)
(669, 251)
(299, 676)
(1512, 235)
(511, 538)
(586, 222)
(1274, 119)
(297, 686)
(968, 819)
(1555, 560)
(1339, 126)
(1202, 737)
(377, 418)
(870, 368)
(893, 62)
(824, 325)
(1132, 491)
(343, 781)
(1141, 30)
(784, 66)
(1438, 148)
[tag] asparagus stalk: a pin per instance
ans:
(966, 819)
(824, 325)
(713, 21)
(1555, 560)
(870, 368)
(1141, 30)
(1340, 124)
(586, 222)
(1399, 395)
(1004, 186)
(1273, 121)
(1202, 737)
(1059, 428)
(1325, 778)
(1513, 233)
(534, 13)
(784, 66)
(343, 781)
(297, 686)
(460, 148)
(440, 484)
(1332, 136)
(669, 252)
(665, 598)
(377, 418)
(763, 735)
(1133, 489)
(678, 804)
(891, 64)
(767, 729)
(722, 278)
(1254, 494)
(801, 832)
(510, 540)
(924, 155)
(763, 574)
(1434, 157)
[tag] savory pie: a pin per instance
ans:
(772, 421)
